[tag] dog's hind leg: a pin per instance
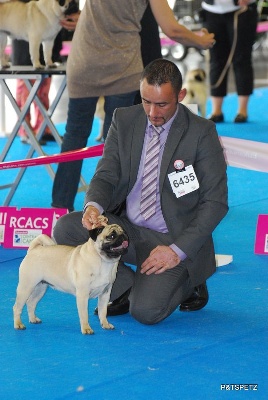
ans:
(34, 46)
(23, 293)
(33, 300)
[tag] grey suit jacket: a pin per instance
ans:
(190, 219)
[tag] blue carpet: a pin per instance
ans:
(187, 356)
(256, 127)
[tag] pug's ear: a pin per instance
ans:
(94, 233)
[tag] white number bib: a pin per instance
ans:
(183, 182)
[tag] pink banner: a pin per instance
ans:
(261, 241)
(18, 227)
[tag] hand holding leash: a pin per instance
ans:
(160, 259)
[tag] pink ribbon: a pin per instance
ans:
(86, 152)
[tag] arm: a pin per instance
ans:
(104, 183)
(177, 32)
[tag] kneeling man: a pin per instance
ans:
(162, 177)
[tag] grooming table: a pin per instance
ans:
(32, 79)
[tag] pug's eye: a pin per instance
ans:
(111, 236)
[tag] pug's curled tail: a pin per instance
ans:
(41, 240)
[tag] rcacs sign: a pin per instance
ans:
(18, 227)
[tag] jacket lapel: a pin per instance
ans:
(137, 146)
(176, 132)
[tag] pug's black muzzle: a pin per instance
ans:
(116, 247)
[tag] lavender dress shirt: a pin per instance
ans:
(156, 222)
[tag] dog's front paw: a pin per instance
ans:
(106, 325)
(19, 326)
(87, 330)
(38, 66)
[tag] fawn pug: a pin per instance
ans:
(86, 271)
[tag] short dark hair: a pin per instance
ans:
(163, 71)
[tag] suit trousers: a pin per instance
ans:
(153, 297)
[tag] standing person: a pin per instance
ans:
(234, 23)
(105, 60)
(150, 50)
(150, 42)
(171, 234)
(150, 39)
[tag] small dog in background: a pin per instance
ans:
(86, 271)
(36, 22)
(195, 83)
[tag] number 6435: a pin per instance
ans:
(184, 180)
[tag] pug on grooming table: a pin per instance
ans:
(36, 22)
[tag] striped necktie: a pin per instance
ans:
(149, 181)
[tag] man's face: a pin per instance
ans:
(159, 102)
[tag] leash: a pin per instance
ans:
(230, 58)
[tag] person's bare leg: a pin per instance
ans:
(216, 115)
(216, 105)
(243, 105)
(242, 115)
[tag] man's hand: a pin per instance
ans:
(69, 22)
(90, 219)
(160, 259)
